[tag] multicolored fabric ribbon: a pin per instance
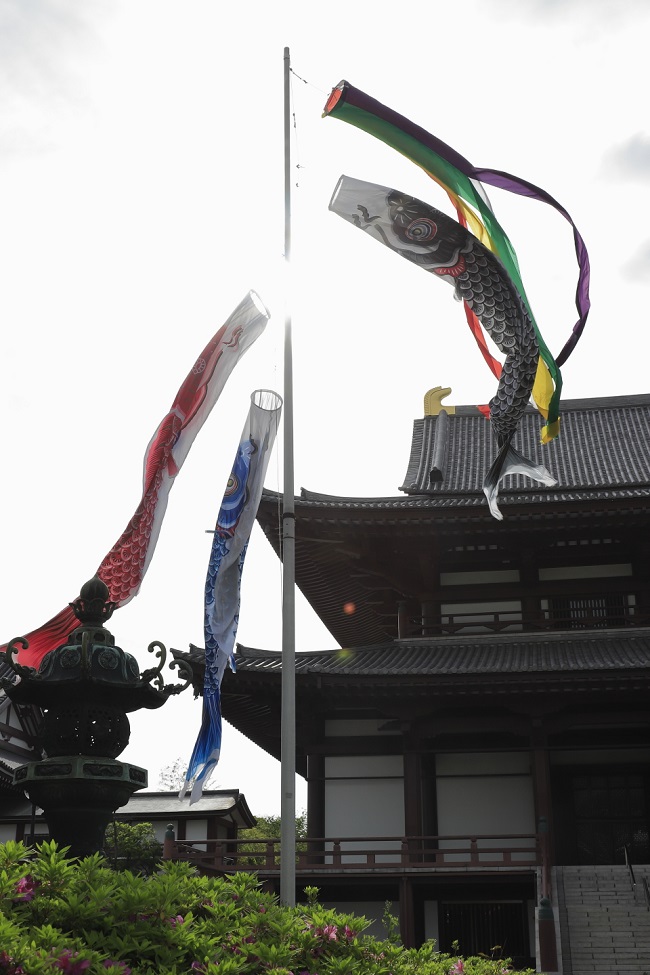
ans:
(223, 582)
(124, 567)
(463, 183)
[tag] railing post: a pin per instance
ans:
(315, 851)
(473, 845)
(270, 854)
(169, 843)
(336, 853)
(402, 620)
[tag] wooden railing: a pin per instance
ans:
(498, 621)
(385, 854)
(630, 868)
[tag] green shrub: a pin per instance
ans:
(83, 918)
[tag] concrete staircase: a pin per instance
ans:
(604, 923)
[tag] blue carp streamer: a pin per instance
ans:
(223, 581)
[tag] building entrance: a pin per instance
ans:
(598, 813)
(493, 928)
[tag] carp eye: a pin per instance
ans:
(232, 487)
(421, 230)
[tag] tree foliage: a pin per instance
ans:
(172, 777)
(253, 852)
(83, 918)
(269, 826)
(132, 846)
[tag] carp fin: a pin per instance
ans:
(510, 461)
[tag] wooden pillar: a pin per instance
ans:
(547, 937)
(406, 913)
(640, 563)
(315, 802)
(412, 794)
(543, 804)
(529, 581)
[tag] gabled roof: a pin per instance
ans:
(225, 803)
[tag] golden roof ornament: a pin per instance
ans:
(433, 401)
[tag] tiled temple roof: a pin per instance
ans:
(601, 455)
(593, 652)
(602, 451)
(560, 675)
(363, 551)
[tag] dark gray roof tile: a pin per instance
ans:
(517, 654)
(602, 447)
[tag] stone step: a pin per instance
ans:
(606, 969)
(604, 921)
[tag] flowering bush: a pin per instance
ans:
(82, 918)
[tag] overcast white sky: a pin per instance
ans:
(141, 196)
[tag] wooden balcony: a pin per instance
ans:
(516, 621)
(344, 856)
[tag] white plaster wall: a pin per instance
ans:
(160, 829)
(354, 727)
(364, 797)
(482, 608)
(482, 763)
(7, 832)
(485, 794)
(196, 829)
(363, 766)
(478, 578)
(610, 756)
(431, 929)
(586, 571)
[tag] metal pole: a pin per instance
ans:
(288, 728)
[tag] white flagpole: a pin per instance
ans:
(288, 723)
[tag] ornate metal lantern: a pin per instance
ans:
(85, 689)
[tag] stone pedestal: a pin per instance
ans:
(78, 795)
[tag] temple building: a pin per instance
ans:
(477, 748)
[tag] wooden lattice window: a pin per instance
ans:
(595, 611)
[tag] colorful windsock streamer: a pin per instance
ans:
(440, 245)
(124, 567)
(463, 183)
(223, 582)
